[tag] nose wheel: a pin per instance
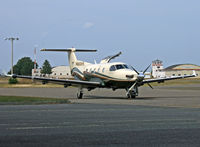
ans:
(131, 94)
(80, 94)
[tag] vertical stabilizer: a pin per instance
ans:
(72, 58)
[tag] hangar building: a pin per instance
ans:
(58, 72)
(158, 71)
(182, 69)
(61, 72)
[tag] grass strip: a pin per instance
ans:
(21, 100)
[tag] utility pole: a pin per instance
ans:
(35, 63)
(12, 39)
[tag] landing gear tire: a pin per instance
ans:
(80, 95)
(131, 95)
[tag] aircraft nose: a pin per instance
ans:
(141, 76)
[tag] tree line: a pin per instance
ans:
(25, 65)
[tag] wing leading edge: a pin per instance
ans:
(61, 81)
(161, 80)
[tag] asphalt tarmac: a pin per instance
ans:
(187, 96)
(98, 125)
(168, 116)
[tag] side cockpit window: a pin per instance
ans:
(112, 68)
(126, 66)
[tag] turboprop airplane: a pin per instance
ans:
(116, 75)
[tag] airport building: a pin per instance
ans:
(58, 72)
(36, 72)
(182, 69)
(158, 71)
(61, 72)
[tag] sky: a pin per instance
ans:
(144, 30)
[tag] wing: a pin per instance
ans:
(161, 80)
(65, 82)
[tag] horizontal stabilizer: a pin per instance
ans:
(69, 50)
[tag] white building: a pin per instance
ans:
(61, 72)
(147, 75)
(58, 72)
(36, 72)
(158, 69)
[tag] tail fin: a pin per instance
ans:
(73, 62)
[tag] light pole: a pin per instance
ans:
(12, 39)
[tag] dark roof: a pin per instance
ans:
(173, 66)
(157, 60)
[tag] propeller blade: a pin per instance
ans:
(135, 70)
(150, 85)
(146, 69)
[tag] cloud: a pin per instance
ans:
(88, 25)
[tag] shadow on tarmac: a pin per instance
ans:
(114, 97)
(137, 98)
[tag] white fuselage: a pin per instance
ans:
(116, 71)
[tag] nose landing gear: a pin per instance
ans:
(80, 94)
(132, 92)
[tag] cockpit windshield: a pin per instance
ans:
(119, 66)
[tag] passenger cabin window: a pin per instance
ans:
(112, 68)
(86, 70)
(98, 69)
(103, 69)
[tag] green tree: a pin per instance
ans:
(24, 66)
(46, 67)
